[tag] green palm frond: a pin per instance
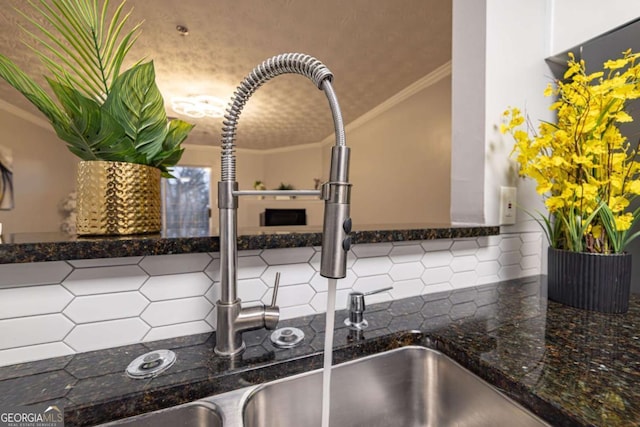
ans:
(101, 114)
(95, 134)
(137, 104)
(30, 89)
(79, 50)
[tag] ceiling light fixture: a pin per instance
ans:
(198, 106)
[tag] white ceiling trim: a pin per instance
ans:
(426, 81)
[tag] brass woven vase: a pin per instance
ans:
(117, 198)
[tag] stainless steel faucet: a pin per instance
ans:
(233, 320)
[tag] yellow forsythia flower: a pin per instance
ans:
(582, 159)
(623, 222)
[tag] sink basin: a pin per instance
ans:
(407, 387)
(197, 414)
(411, 386)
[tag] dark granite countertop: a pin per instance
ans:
(568, 366)
(35, 247)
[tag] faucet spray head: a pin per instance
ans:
(336, 193)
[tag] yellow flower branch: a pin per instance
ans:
(585, 169)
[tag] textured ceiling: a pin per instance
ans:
(374, 49)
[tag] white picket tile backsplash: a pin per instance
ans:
(437, 259)
(249, 267)
(112, 333)
(489, 253)
(104, 280)
(488, 268)
(406, 271)
(406, 253)
(287, 255)
(464, 279)
(372, 283)
(372, 266)
(171, 331)
(105, 262)
(35, 352)
(96, 308)
(32, 330)
(172, 286)
(372, 250)
(83, 305)
(33, 300)
(291, 274)
(464, 247)
(436, 245)
(172, 264)
(464, 263)
(40, 273)
(165, 313)
(431, 276)
(406, 288)
(251, 289)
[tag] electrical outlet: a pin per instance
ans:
(507, 205)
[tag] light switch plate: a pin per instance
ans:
(508, 205)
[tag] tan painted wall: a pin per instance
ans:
(400, 161)
(44, 174)
(297, 167)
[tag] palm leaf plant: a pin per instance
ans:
(101, 113)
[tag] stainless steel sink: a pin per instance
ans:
(406, 387)
(411, 386)
(197, 414)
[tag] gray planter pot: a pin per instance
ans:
(590, 281)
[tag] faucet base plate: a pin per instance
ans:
(287, 337)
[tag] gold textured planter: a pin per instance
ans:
(117, 198)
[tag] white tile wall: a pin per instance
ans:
(105, 262)
(32, 330)
(171, 286)
(112, 333)
(287, 256)
(96, 308)
(84, 305)
(104, 280)
(164, 313)
(35, 352)
(172, 264)
(41, 273)
(33, 300)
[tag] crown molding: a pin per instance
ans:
(419, 85)
(430, 79)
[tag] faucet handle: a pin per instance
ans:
(377, 291)
(272, 312)
(276, 285)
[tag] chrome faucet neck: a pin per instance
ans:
(232, 318)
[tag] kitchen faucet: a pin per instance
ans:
(233, 319)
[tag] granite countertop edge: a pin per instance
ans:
(40, 247)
